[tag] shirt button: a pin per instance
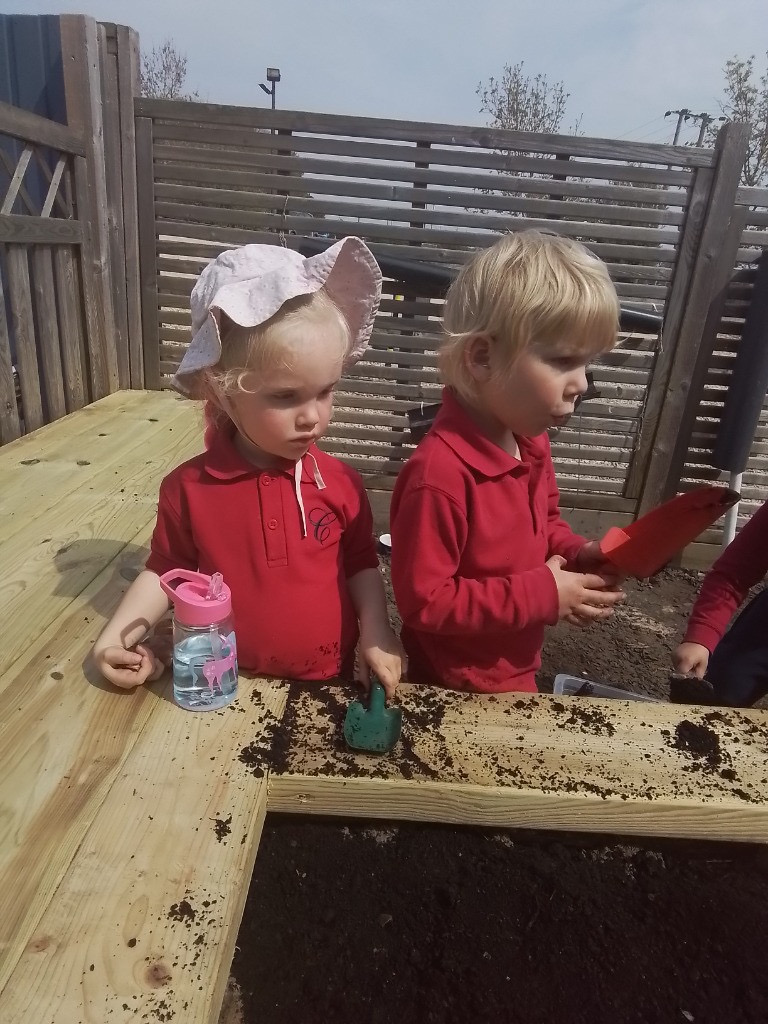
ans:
(272, 524)
(266, 480)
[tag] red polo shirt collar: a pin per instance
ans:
(223, 461)
(459, 431)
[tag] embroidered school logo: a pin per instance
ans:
(321, 520)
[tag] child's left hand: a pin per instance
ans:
(383, 654)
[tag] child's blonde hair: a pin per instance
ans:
(529, 289)
(252, 350)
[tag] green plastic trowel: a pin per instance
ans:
(374, 729)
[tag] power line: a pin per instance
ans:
(640, 127)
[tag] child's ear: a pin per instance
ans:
(477, 357)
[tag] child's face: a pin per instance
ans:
(287, 408)
(538, 392)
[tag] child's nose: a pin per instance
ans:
(578, 383)
(308, 414)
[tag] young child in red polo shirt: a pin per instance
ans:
(734, 662)
(481, 560)
(288, 526)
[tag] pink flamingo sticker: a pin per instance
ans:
(214, 671)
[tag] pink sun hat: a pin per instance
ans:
(252, 283)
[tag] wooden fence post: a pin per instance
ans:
(689, 361)
(128, 89)
(10, 427)
(113, 187)
(23, 321)
(673, 320)
(145, 186)
(119, 60)
(44, 291)
(79, 51)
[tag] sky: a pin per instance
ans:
(624, 63)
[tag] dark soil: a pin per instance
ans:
(428, 924)
(348, 922)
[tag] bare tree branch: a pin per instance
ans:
(164, 73)
(517, 102)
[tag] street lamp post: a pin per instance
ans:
(273, 77)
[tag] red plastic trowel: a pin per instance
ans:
(645, 546)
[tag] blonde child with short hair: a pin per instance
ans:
(288, 526)
(481, 558)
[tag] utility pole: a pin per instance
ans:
(682, 115)
(704, 119)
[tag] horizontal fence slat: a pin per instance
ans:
(29, 127)
(363, 219)
(415, 131)
(214, 165)
(44, 230)
(219, 137)
(207, 242)
(200, 190)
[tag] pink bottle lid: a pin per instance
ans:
(200, 600)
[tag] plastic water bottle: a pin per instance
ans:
(204, 645)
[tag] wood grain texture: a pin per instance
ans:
(531, 761)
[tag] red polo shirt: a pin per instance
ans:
(291, 605)
(743, 564)
(471, 530)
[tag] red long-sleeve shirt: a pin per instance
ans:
(472, 528)
(743, 564)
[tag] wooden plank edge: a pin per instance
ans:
(497, 807)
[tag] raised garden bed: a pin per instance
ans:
(381, 921)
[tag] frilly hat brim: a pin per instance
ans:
(252, 283)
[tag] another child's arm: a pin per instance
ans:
(743, 564)
(380, 650)
(118, 653)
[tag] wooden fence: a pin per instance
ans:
(51, 341)
(70, 321)
(212, 177)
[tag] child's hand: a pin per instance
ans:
(583, 598)
(383, 654)
(691, 660)
(128, 668)
(591, 559)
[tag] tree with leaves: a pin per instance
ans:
(164, 73)
(746, 99)
(521, 103)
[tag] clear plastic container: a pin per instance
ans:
(568, 685)
(204, 665)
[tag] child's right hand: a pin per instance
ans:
(691, 659)
(126, 668)
(583, 597)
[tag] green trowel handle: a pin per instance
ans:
(377, 699)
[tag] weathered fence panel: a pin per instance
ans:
(70, 321)
(222, 176)
(40, 365)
